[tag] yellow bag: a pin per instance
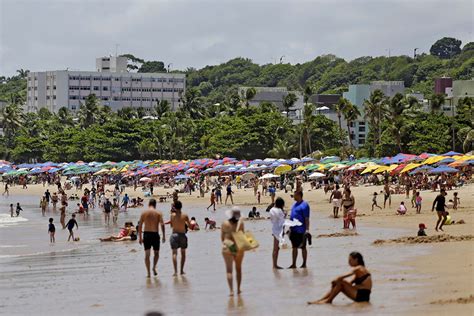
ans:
(244, 240)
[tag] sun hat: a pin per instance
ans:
(234, 212)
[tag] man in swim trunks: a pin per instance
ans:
(387, 195)
(300, 211)
(178, 238)
(151, 218)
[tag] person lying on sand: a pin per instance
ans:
(126, 233)
(358, 289)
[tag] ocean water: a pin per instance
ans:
(93, 278)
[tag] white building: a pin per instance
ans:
(112, 84)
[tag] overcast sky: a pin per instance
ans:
(57, 34)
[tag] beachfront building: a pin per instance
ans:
(357, 94)
(111, 83)
(453, 90)
(275, 95)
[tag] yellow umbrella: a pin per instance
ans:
(102, 171)
(174, 161)
(370, 169)
(433, 160)
(282, 169)
(385, 168)
(410, 166)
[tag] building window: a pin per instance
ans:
(47, 97)
(54, 87)
(105, 88)
(54, 97)
(96, 88)
(351, 124)
(73, 107)
(117, 79)
(361, 128)
(361, 141)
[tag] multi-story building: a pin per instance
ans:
(112, 84)
(357, 95)
(276, 96)
(441, 84)
(462, 89)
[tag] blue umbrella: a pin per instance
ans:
(451, 153)
(443, 169)
(421, 169)
(181, 177)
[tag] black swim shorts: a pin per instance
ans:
(363, 295)
(178, 240)
(297, 240)
(151, 239)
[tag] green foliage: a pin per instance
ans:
(152, 66)
(445, 48)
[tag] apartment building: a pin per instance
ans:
(112, 84)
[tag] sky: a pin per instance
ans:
(44, 35)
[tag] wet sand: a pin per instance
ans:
(89, 277)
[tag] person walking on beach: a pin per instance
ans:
(387, 196)
(178, 239)
(336, 199)
(151, 219)
(12, 210)
(70, 226)
(115, 209)
(374, 202)
(43, 205)
(213, 200)
(125, 201)
(18, 209)
(298, 234)
(229, 193)
(277, 217)
(418, 200)
(7, 192)
(54, 199)
(440, 204)
(229, 249)
(51, 231)
(47, 196)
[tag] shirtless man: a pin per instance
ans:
(178, 238)
(151, 218)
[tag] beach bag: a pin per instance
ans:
(244, 240)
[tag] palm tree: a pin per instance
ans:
(339, 108)
(127, 113)
(105, 114)
(247, 95)
(281, 149)
(308, 124)
(437, 101)
(88, 111)
(192, 103)
(288, 101)
(308, 92)
(64, 116)
(398, 112)
(375, 110)
(22, 74)
(467, 137)
(162, 107)
(11, 121)
(351, 113)
(464, 107)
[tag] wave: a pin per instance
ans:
(7, 220)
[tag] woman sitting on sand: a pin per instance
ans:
(358, 289)
(126, 233)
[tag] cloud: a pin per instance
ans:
(47, 35)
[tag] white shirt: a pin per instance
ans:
(277, 217)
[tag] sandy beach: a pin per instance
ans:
(89, 277)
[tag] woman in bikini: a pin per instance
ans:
(229, 249)
(358, 289)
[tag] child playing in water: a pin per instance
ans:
(18, 209)
(258, 197)
(210, 223)
(402, 209)
(12, 210)
(374, 201)
(70, 226)
(193, 225)
(51, 231)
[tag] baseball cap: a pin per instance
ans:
(422, 226)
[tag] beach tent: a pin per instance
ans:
(443, 169)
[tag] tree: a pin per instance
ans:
(64, 116)
(446, 48)
(11, 119)
(247, 95)
(339, 108)
(22, 73)
(162, 107)
(192, 104)
(152, 66)
(351, 113)
(437, 102)
(375, 111)
(127, 113)
(398, 115)
(281, 149)
(467, 134)
(308, 125)
(465, 108)
(288, 101)
(88, 111)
